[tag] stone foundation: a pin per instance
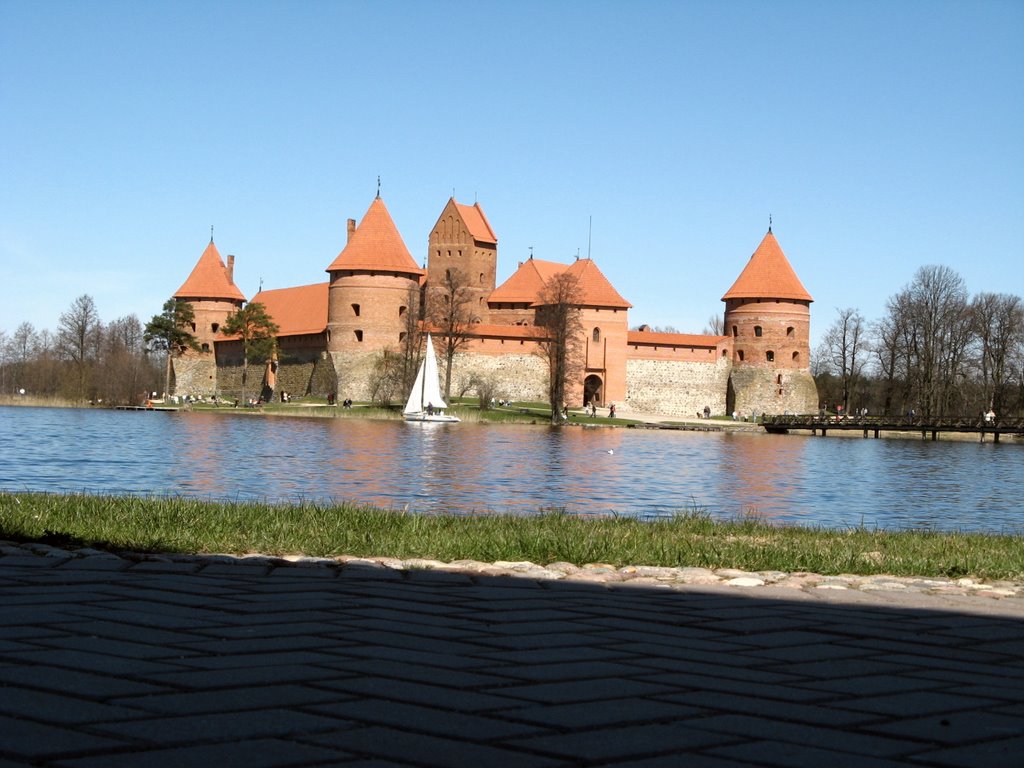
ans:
(196, 376)
(753, 391)
(676, 388)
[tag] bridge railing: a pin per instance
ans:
(964, 423)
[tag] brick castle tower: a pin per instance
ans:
(374, 284)
(211, 290)
(768, 317)
(462, 239)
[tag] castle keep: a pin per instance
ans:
(332, 333)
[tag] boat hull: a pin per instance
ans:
(431, 417)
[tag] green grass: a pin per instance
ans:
(689, 539)
(467, 409)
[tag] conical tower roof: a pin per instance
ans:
(595, 290)
(210, 279)
(768, 275)
(376, 245)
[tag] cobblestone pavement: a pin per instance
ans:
(179, 661)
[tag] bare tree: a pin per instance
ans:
(998, 325)
(843, 350)
(562, 345)
(715, 326)
(450, 311)
(78, 335)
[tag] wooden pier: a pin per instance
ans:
(874, 425)
(145, 408)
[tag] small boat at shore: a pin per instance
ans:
(425, 402)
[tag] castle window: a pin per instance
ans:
(735, 331)
(739, 355)
(355, 310)
(757, 331)
(796, 356)
(215, 327)
(359, 335)
(401, 337)
(206, 347)
(769, 356)
(789, 331)
(724, 352)
(778, 379)
(597, 334)
(401, 311)
(481, 278)
(193, 327)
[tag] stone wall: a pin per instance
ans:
(753, 391)
(516, 376)
(195, 375)
(675, 387)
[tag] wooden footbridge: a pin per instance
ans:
(878, 424)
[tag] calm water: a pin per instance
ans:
(830, 481)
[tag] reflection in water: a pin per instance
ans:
(468, 468)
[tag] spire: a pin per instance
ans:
(376, 245)
(769, 223)
(768, 275)
(378, 187)
(211, 233)
(210, 279)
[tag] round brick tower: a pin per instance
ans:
(768, 318)
(211, 290)
(374, 284)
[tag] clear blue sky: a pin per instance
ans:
(880, 136)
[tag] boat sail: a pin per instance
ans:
(425, 402)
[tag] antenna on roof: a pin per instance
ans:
(211, 233)
(769, 222)
(453, 193)
(577, 254)
(378, 187)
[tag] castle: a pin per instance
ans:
(332, 333)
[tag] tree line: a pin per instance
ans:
(936, 352)
(84, 359)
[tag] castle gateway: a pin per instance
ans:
(332, 333)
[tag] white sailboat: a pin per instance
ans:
(425, 402)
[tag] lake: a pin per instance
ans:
(472, 468)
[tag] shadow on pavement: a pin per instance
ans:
(108, 663)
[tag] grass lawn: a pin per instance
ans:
(691, 538)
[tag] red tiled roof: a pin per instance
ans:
(298, 310)
(376, 245)
(768, 275)
(673, 339)
(477, 223)
(209, 279)
(595, 290)
(526, 282)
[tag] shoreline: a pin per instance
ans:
(658, 577)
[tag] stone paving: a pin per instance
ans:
(110, 660)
